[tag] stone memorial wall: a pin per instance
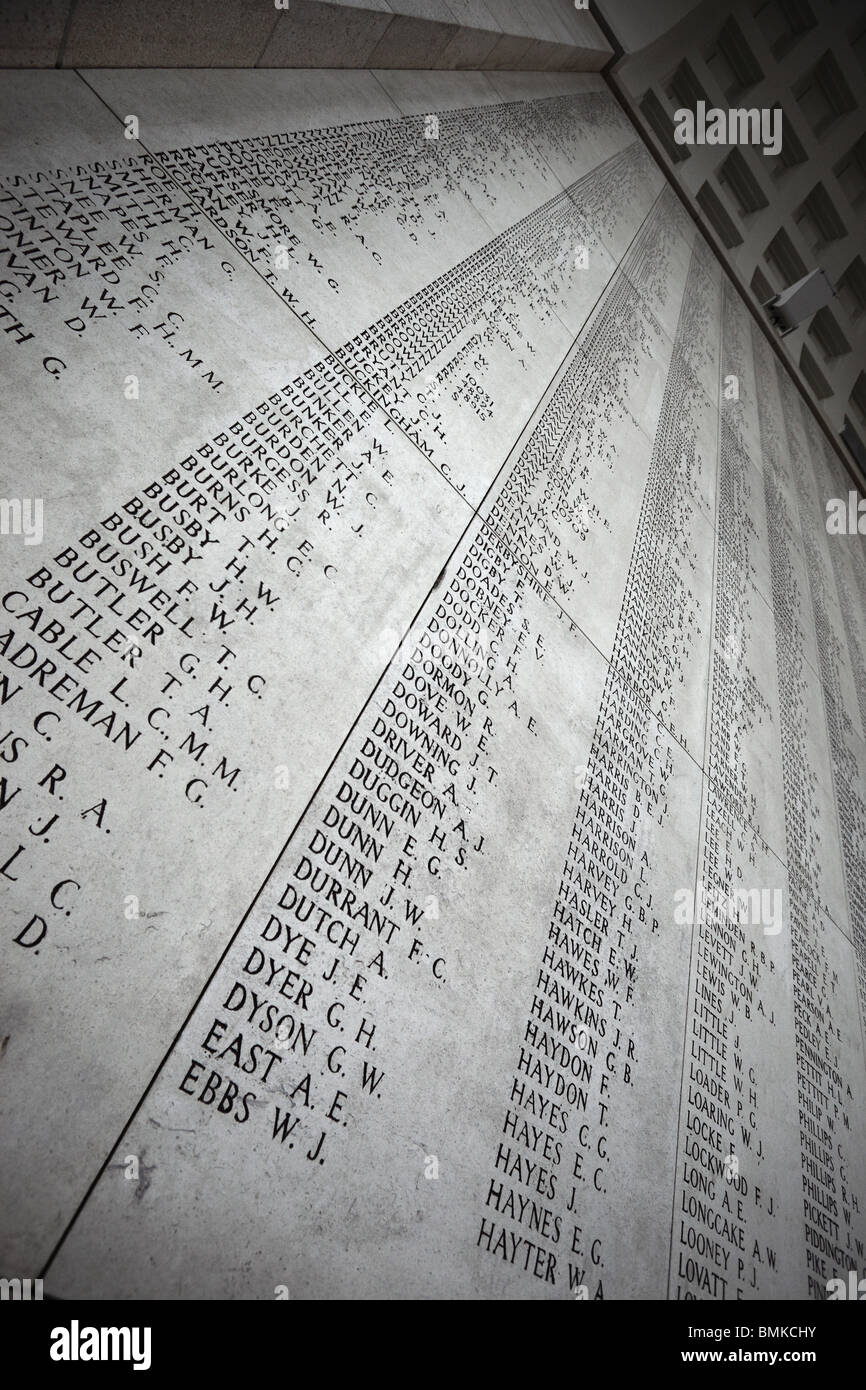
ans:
(433, 777)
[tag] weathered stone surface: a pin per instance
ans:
(433, 763)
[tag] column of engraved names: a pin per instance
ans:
(822, 1092)
(578, 1055)
(848, 555)
(849, 568)
(835, 660)
(356, 907)
(725, 1195)
(843, 1063)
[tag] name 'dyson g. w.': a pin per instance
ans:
(741, 126)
